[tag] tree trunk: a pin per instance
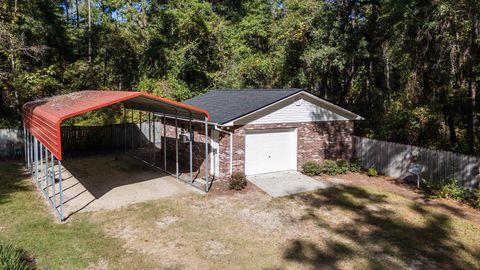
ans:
(472, 86)
(76, 12)
(89, 32)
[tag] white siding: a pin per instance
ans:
(292, 110)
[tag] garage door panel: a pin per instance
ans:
(270, 150)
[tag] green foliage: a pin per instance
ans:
(12, 258)
(449, 189)
(311, 168)
(330, 167)
(355, 165)
(238, 181)
(412, 84)
(476, 197)
(372, 171)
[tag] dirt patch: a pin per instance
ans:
(221, 187)
(406, 190)
(101, 264)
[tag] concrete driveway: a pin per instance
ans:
(278, 184)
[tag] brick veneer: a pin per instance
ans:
(316, 141)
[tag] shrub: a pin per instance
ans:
(13, 258)
(343, 166)
(355, 165)
(311, 168)
(449, 189)
(330, 167)
(476, 198)
(372, 171)
(238, 181)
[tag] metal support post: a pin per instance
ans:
(154, 141)
(46, 172)
(206, 155)
(52, 179)
(60, 189)
(164, 142)
(149, 149)
(35, 167)
(41, 164)
(176, 144)
(25, 145)
(190, 147)
(125, 128)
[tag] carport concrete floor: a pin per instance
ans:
(98, 182)
(284, 183)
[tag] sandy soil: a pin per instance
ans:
(406, 190)
(343, 227)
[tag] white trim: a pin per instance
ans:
(347, 114)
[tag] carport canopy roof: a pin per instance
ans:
(43, 118)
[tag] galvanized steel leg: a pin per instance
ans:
(46, 172)
(164, 142)
(206, 155)
(35, 151)
(176, 144)
(25, 145)
(132, 127)
(190, 148)
(149, 149)
(125, 128)
(52, 178)
(40, 164)
(154, 141)
(60, 179)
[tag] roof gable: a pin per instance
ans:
(227, 105)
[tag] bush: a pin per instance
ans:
(12, 258)
(343, 166)
(449, 189)
(311, 168)
(330, 167)
(476, 198)
(238, 181)
(372, 171)
(355, 165)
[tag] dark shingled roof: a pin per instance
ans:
(226, 105)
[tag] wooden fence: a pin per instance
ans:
(10, 139)
(109, 137)
(394, 159)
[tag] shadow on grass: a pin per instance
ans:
(11, 177)
(386, 239)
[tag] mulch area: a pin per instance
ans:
(221, 187)
(406, 190)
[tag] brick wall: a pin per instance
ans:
(316, 141)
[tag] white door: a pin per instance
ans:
(270, 150)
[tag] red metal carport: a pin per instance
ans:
(42, 127)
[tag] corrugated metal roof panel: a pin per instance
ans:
(44, 117)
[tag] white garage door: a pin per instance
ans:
(270, 150)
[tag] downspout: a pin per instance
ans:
(230, 134)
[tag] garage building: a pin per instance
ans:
(266, 130)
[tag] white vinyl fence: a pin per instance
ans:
(10, 139)
(394, 159)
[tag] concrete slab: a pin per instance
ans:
(112, 181)
(286, 183)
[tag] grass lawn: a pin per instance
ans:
(343, 227)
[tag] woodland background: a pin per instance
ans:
(410, 67)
